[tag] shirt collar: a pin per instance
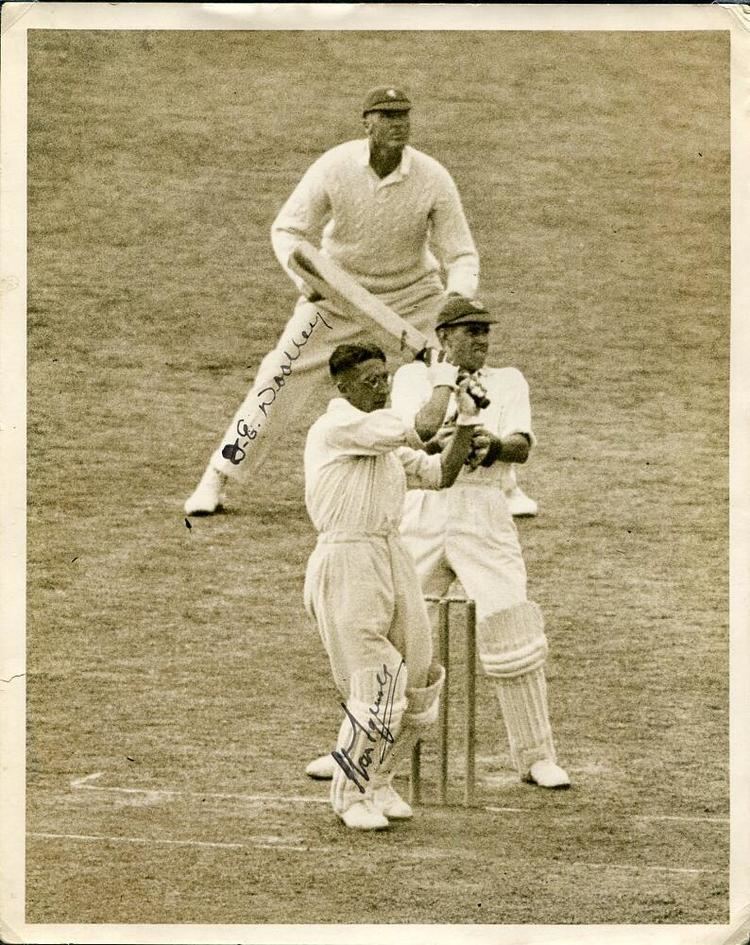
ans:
(342, 405)
(363, 152)
(363, 158)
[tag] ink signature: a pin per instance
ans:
(377, 730)
(236, 452)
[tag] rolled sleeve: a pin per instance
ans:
(516, 415)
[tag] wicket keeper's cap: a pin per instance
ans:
(386, 98)
(462, 311)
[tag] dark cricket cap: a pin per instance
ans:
(462, 311)
(386, 98)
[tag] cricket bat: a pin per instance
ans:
(331, 282)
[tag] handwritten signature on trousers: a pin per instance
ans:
(236, 452)
(376, 731)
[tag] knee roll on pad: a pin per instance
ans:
(512, 641)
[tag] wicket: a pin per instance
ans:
(444, 605)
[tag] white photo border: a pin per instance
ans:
(17, 20)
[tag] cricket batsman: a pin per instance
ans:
(361, 587)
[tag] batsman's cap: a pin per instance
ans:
(462, 311)
(386, 98)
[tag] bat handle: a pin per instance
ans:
(475, 390)
(424, 354)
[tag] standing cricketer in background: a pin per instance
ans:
(360, 585)
(391, 216)
(467, 532)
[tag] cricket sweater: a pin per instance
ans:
(388, 233)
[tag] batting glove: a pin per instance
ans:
(468, 409)
(441, 372)
(480, 447)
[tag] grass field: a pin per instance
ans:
(177, 664)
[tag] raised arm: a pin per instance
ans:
(457, 450)
(369, 434)
(420, 394)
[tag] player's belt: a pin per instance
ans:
(493, 483)
(344, 536)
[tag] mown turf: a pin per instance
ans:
(594, 169)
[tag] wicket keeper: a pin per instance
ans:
(467, 532)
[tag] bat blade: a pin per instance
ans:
(331, 282)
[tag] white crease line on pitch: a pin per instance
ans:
(415, 854)
(181, 843)
(80, 782)
(84, 783)
(696, 820)
(645, 867)
(509, 810)
(669, 817)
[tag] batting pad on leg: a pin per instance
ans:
(513, 649)
(421, 713)
(512, 641)
(372, 719)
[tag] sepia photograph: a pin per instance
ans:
(367, 412)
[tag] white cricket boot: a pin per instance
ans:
(321, 769)
(390, 803)
(514, 649)
(209, 493)
(547, 774)
(363, 815)
(520, 505)
(420, 715)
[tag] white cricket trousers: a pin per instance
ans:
(466, 531)
(363, 593)
(293, 380)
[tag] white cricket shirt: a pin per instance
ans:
(358, 466)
